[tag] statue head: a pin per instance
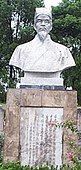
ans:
(43, 22)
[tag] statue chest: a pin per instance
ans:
(42, 59)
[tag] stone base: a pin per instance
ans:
(46, 87)
(1, 119)
(29, 108)
(44, 79)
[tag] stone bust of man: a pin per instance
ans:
(42, 59)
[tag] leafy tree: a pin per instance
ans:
(21, 13)
(67, 30)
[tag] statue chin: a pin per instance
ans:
(42, 35)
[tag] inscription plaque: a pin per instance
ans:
(41, 136)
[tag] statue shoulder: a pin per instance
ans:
(59, 46)
(25, 46)
(19, 54)
(62, 49)
(65, 56)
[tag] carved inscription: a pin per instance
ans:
(41, 136)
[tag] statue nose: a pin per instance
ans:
(43, 23)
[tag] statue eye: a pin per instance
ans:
(39, 20)
(47, 21)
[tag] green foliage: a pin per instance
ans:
(17, 166)
(26, 33)
(70, 125)
(11, 36)
(2, 94)
(67, 30)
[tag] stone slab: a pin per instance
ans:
(17, 98)
(42, 139)
(1, 120)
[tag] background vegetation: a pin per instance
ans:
(66, 30)
(17, 166)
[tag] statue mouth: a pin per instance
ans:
(43, 29)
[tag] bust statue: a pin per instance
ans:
(42, 59)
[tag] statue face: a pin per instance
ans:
(43, 26)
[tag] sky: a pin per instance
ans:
(49, 3)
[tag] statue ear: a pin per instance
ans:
(34, 24)
(51, 26)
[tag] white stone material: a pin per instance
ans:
(40, 138)
(44, 11)
(41, 79)
(36, 56)
(42, 55)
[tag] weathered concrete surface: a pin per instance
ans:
(1, 119)
(17, 98)
(11, 143)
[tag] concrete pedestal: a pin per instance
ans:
(33, 131)
(1, 119)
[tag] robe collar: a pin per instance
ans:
(37, 40)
